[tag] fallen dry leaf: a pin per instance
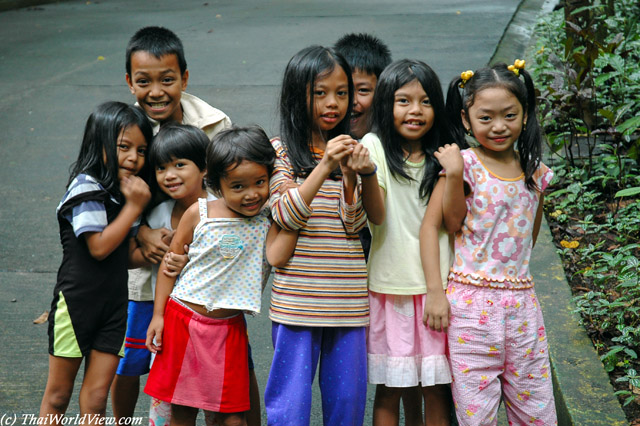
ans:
(42, 318)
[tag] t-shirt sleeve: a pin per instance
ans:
(83, 206)
(545, 174)
(376, 152)
(289, 210)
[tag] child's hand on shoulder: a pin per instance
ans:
(436, 311)
(450, 158)
(135, 191)
(287, 185)
(360, 161)
(337, 151)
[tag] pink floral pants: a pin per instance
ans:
(498, 349)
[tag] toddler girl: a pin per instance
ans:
(409, 124)
(103, 201)
(198, 331)
(492, 197)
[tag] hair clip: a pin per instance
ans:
(518, 65)
(465, 76)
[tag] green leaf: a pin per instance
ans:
(629, 192)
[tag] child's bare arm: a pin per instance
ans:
(175, 263)
(436, 309)
(453, 205)
(164, 284)
(281, 244)
(137, 195)
(538, 220)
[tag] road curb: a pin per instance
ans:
(582, 390)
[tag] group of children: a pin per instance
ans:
(443, 306)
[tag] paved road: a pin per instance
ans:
(58, 61)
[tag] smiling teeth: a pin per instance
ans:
(158, 104)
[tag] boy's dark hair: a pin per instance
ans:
(364, 52)
(297, 104)
(529, 144)
(100, 141)
(176, 140)
(231, 147)
(157, 41)
(393, 78)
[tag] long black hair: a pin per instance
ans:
(529, 144)
(396, 75)
(98, 155)
(297, 104)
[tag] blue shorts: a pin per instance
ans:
(137, 357)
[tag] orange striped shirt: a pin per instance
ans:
(324, 284)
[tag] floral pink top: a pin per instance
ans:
(494, 245)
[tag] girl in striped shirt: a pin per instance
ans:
(319, 305)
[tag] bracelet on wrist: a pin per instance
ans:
(375, 169)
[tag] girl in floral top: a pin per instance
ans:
(492, 199)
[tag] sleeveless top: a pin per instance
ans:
(227, 262)
(493, 247)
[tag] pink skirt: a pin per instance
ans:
(401, 350)
(203, 362)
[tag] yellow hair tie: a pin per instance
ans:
(518, 65)
(465, 76)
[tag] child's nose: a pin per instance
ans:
(156, 90)
(414, 108)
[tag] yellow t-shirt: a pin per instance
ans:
(394, 264)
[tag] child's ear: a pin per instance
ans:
(185, 80)
(465, 122)
(127, 77)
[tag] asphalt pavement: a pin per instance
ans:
(58, 61)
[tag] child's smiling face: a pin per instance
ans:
(331, 100)
(157, 85)
(364, 84)
(180, 178)
(245, 188)
(132, 149)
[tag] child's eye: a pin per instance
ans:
(512, 115)
(168, 80)
(402, 101)
(318, 93)
(237, 187)
(123, 147)
(364, 91)
(261, 182)
(180, 164)
(426, 102)
(142, 152)
(484, 118)
(142, 82)
(159, 168)
(343, 93)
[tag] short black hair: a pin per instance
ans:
(157, 41)
(176, 140)
(364, 52)
(231, 147)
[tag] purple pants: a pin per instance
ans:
(343, 375)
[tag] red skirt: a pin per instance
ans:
(203, 362)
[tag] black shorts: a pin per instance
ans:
(78, 326)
